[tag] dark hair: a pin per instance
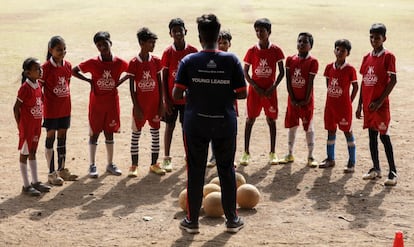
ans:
(99, 36)
(208, 27)
(378, 28)
(263, 22)
(176, 22)
(54, 41)
(343, 43)
(27, 65)
(225, 34)
(309, 36)
(145, 34)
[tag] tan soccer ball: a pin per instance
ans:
(208, 188)
(212, 205)
(247, 196)
(215, 180)
(240, 180)
(182, 199)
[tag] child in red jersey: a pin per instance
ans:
(144, 71)
(340, 75)
(173, 108)
(104, 112)
(300, 73)
(378, 80)
(28, 113)
(57, 107)
(264, 58)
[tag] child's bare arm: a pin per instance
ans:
(259, 90)
(376, 104)
(16, 110)
(76, 73)
(279, 78)
(354, 90)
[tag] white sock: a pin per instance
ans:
(33, 169)
(49, 156)
(109, 150)
(25, 175)
(310, 139)
(291, 138)
(92, 152)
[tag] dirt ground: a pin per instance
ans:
(299, 206)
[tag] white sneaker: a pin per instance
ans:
(372, 174)
(391, 180)
(93, 172)
(54, 179)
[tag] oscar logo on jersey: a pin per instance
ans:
(61, 89)
(37, 110)
(263, 70)
(297, 80)
(333, 89)
(146, 84)
(370, 78)
(106, 82)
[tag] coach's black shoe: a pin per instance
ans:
(235, 225)
(188, 226)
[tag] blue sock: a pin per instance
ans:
(351, 149)
(330, 147)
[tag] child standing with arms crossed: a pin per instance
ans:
(104, 112)
(57, 107)
(300, 73)
(173, 108)
(146, 94)
(28, 112)
(263, 58)
(378, 80)
(340, 75)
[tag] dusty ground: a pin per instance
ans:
(299, 206)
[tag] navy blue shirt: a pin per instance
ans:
(210, 78)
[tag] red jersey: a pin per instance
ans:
(338, 106)
(55, 82)
(375, 70)
(264, 64)
(31, 113)
(299, 71)
(147, 85)
(170, 60)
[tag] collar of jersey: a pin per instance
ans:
(54, 63)
(34, 85)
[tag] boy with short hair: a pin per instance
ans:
(301, 69)
(146, 95)
(340, 75)
(264, 58)
(170, 59)
(378, 80)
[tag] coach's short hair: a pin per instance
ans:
(208, 27)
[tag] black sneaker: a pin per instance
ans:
(189, 226)
(41, 187)
(29, 190)
(234, 226)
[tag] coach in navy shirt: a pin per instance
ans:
(212, 80)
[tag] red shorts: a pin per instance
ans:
(151, 116)
(294, 113)
(336, 118)
(105, 118)
(378, 120)
(256, 103)
(31, 137)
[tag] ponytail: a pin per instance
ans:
(27, 65)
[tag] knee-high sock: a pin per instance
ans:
(373, 148)
(389, 152)
(109, 150)
(330, 147)
(155, 145)
(291, 138)
(61, 151)
(25, 175)
(351, 149)
(310, 140)
(33, 170)
(135, 147)
(50, 157)
(92, 152)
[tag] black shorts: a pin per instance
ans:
(56, 123)
(172, 118)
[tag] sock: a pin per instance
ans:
(92, 152)
(33, 170)
(50, 158)
(351, 149)
(155, 145)
(385, 139)
(61, 151)
(135, 147)
(291, 138)
(109, 150)
(25, 175)
(310, 140)
(330, 147)
(373, 148)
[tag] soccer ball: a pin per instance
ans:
(182, 200)
(208, 188)
(212, 205)
(215, 180)
(247, 196)
(240, 180)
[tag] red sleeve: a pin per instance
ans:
(327, 69)
(314, 67)
(165, 59)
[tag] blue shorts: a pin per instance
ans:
(56, 123)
